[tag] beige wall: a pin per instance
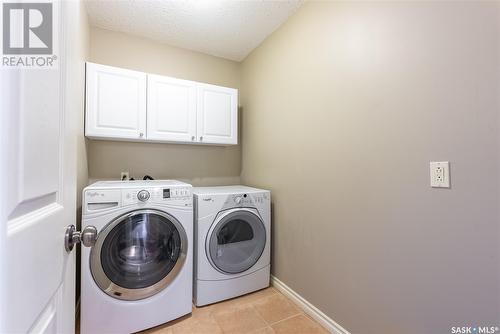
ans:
(344, 107)
(199, 165)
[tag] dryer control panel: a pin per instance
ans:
(246, 200)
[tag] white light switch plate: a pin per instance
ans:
(440, 174)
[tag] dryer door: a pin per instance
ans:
(236, 241)
(138, 254)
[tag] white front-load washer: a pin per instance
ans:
(138, 274)
(232, 242)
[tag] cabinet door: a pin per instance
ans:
(116, 103)
(171, 112)
(217, 112)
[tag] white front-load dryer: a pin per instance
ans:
(232, 242)
(138, 274)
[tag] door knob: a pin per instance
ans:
(141, 134)
(72, 237)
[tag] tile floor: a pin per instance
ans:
(263, 312)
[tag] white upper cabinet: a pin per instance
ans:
(217, 111)
(115, 103)
(171, 110)
(129, 105)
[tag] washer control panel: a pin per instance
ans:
(111, 195)
(172, 195)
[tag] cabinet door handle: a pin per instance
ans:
(141, 134)
(201, 138)
(192, 137)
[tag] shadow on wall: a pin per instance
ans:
(273, 226)
(240, 134)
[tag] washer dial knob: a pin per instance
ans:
(237, 200)
(143, 195)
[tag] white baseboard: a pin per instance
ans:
(308, 308)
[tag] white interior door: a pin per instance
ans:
(217, 119)
(171, 114)
(37, 196)
(116, 103)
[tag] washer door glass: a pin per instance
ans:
(237, 241)
(136, 254)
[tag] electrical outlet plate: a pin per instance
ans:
(440, 174)
(124, 176)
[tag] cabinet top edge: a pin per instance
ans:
(198, 83)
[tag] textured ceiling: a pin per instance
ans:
(224, 28)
